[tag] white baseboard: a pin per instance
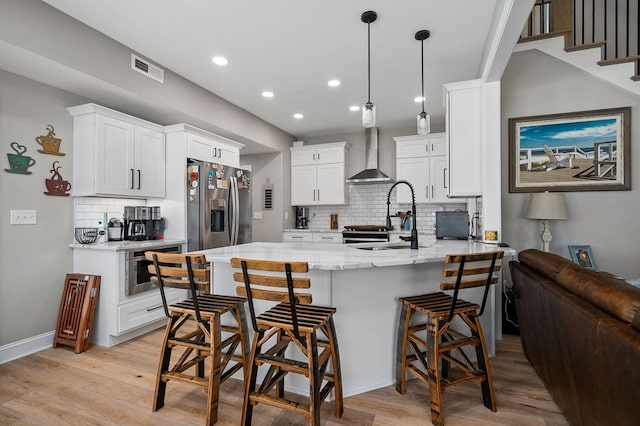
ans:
(26, 347)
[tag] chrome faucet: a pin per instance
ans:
(414, 231)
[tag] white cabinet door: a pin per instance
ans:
(303, 157)
(289, 237)
(327, 237)
(303, 185)
(464, 128)
(330, 155)
(412, 148)
(330, 184)
(115, 157)
(116, 154)
(150, 159)
(416, 172)
(439, 179)
(422, 160)
(438, 145)
(318, 175)
(203, 149)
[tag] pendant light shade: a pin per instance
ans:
(423, 119)
(368, 109)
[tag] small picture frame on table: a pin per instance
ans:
(583, 256)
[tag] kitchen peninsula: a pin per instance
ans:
(364, 285)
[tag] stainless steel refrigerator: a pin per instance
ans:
(219, 207)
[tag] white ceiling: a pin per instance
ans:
(293, 47)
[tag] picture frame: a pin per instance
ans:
(582, 255)
(576, 151)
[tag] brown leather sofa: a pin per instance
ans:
(580, 329)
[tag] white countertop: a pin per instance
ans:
(335, 257)
(127, 245)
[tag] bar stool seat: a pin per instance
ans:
(292, 323)
(196, 326)
(433, 350)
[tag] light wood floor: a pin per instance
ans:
(114, 386)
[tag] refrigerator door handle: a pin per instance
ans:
(237, 211)
(233, 211)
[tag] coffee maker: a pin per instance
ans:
(143, 223)
(302, 217)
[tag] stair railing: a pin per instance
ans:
(611, 23)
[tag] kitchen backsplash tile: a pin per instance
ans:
(88, 211)
(368, 206)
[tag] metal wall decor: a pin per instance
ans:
(49, 143)
(56, 185)
(19, 162)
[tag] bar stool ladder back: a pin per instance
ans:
(292, 323)
(195, 325)
(433, 351)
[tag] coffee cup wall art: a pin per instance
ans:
(49, 143)
(57, 185)
(19, 162)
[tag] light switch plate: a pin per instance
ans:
(257, 215)
(23, 217)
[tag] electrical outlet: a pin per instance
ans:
(23, 217)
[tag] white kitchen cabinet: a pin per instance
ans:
(211, 150)
(422, 161)
(120, 317)
(115, 154)
(464, 115)
(327, 237)
(297, 236)
(318, 174)
(308, 236)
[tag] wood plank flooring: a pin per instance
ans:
(114, 386)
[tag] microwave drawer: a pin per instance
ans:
(147, 310)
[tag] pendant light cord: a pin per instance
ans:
(422, 59)
(369, 63)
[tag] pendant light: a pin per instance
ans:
(368, 109)
(423, 119)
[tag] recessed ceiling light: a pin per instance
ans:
(219, 60)
(267, 94)
(418, 99)
(334, 83)
(298, 116)
(354, 108)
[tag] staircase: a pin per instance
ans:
(606, 43)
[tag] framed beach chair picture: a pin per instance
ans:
(578, 151)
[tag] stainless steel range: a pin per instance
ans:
(365, 234)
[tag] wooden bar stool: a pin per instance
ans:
(292, 323)
(421, 347)
(195, 325)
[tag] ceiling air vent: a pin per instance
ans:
(147, 68)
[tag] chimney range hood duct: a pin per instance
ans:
(371, 173)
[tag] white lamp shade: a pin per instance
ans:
(547, 206)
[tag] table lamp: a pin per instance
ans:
(546, 206)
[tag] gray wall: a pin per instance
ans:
(535, 84)
(43, 44)
(270, 166)
(35, 258)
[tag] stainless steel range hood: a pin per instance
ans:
(371, 173)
